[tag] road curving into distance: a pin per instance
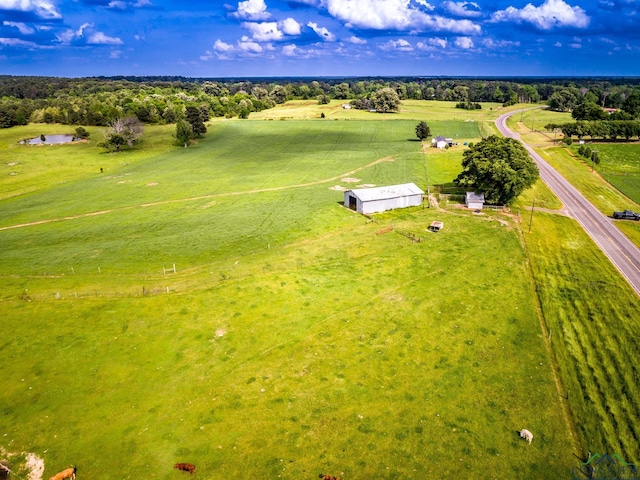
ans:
(615, 245)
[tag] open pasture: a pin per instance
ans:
(293, 339)
(620, 166)
(30, 168)
(592, 317)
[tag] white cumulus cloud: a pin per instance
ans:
(252, 10)
(264, 32)
(396, 45)
(273, 31)
(42, 8)
(356, 40)
(463, 9)
(432, 44)
(289, 50)
(22, 28)
(399, 15)
(552, 13)
(322, 32)
(463, 42)
(249, 46)
(222, 47)
(67, 36)
(16, 42)
(99, 38)
(290, 26)
(498, 44)
(92, 38)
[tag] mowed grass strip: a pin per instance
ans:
(346, 352)
(592, 316)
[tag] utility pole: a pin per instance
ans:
(533, 206)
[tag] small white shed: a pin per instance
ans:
(380, 199)
(474, 200)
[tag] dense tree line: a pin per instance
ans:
(102, 100)
(599, 129)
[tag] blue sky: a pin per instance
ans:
(76, 38)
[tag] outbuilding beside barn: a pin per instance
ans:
(380, 199)
(474, 200)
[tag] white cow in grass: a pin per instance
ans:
(526, 434)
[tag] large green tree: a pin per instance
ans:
(196, 117)
(422, 130)
(498, 167)
(385, 100)
(184, 133)
(588, 111)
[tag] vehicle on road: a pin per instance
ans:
(626, 215)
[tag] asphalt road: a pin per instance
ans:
(602, 229)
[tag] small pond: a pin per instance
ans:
(49, 140)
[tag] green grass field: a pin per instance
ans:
(620, 166)
(593, 322)
(295, 337)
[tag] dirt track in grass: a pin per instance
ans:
(201, 197)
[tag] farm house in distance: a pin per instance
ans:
(380, 199)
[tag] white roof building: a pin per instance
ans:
(380, 199)
(474, 200)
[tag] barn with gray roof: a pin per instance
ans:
(380, 199)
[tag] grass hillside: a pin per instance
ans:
(294, 338)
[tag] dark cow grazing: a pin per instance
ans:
(186, 467)
(65, 474)
(328, 477)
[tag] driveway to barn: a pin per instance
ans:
(620, 250)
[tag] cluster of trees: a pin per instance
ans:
(469, 105)
(599, 129)
(603, 112)
(385, 100)
(590, 154)
(625, 97)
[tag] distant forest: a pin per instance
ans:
(164, 100)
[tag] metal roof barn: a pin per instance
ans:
(380, 199)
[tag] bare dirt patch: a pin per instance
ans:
(21, 464)
(35, 466)
(221, 332)
(152, 184)
(338, 188)
(350, 180)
